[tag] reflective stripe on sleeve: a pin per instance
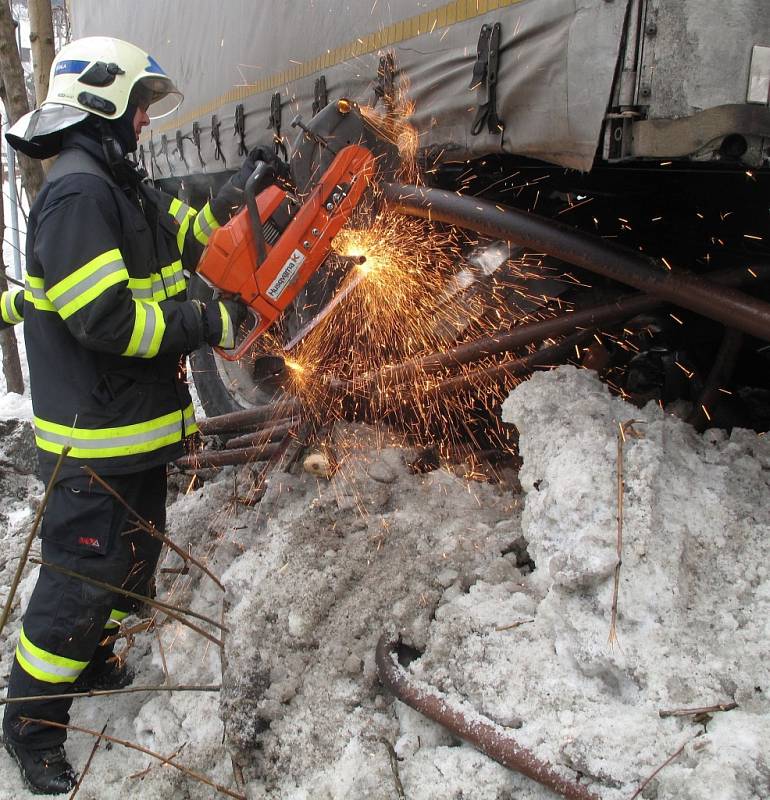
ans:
(88, 282)
(183, 214)
(205, 224)
(227, 341)
(34, 292)
(168, 282)
(141, 437)
(149, 327)
(116, 617)
(45, 666)
(8, 308)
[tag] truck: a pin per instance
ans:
(638, 129)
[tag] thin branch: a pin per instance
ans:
(694, 712)
(171, 611)
(132, 746)
(88, 763)
(644, 783)
(394, 768)
(620, 486)
(150, 529)
(182, 687)
(142, 774)
(31, 537)
(162, 656)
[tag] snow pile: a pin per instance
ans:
(504, 609)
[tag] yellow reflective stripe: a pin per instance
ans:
(116, 617)
(173, 279)
(183, 214)
(227, 340)
(149, 327)
(141, 437)
(88, 282)
(161, 285)
(205, 224)
(8, 307)
(45, 666)
(34, 292)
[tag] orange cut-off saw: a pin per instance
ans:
(270, 249)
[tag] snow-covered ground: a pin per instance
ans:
(317, 570)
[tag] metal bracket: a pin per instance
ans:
(153, 159)
(485, 74)
(215, 137)
(274, 124)
(196, 137)
(385, 87)
(180, 148)
(239, 128)
(320, 95)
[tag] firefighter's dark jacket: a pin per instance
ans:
(106, 319)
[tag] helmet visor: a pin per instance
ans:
(156, 95)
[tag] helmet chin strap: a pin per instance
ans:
(122, 170)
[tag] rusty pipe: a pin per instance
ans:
(619, 310)
(270, 433)
(479, 731)
(249, 418)
(226, 458)
(730, 307)
(550, 356)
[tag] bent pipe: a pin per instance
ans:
(475, 729)
(728, 306)
(227, 458)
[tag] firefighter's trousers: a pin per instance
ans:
(89, 532)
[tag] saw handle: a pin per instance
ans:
(242, 349)
(260, 179)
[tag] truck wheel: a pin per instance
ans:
(224, 386)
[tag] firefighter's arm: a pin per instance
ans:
(11, 308)
(86, 282)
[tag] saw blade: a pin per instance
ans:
(313, 323)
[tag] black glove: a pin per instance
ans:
(230, 197)
(266, 154)
(221, 320)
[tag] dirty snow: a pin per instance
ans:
(319, 569)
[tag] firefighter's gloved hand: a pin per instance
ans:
(221, 320)
(268, 156)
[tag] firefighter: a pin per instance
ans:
(107, 323)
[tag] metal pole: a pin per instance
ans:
(14, 209)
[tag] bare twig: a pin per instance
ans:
(514, 625)
(132, 746)
(88, 763)
(171, 611)
(394, 767)
(694, 712)
(620, 485)
(142, 774)
(150, 529)
(182, 687)
(162, 655)
(644, 783)
(31, 537)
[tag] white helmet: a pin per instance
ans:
(96, 75)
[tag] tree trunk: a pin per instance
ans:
(42, 42)
(16, 100)
(14, 381)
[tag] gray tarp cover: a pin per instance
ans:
(557, 62)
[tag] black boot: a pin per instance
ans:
(44, 771)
